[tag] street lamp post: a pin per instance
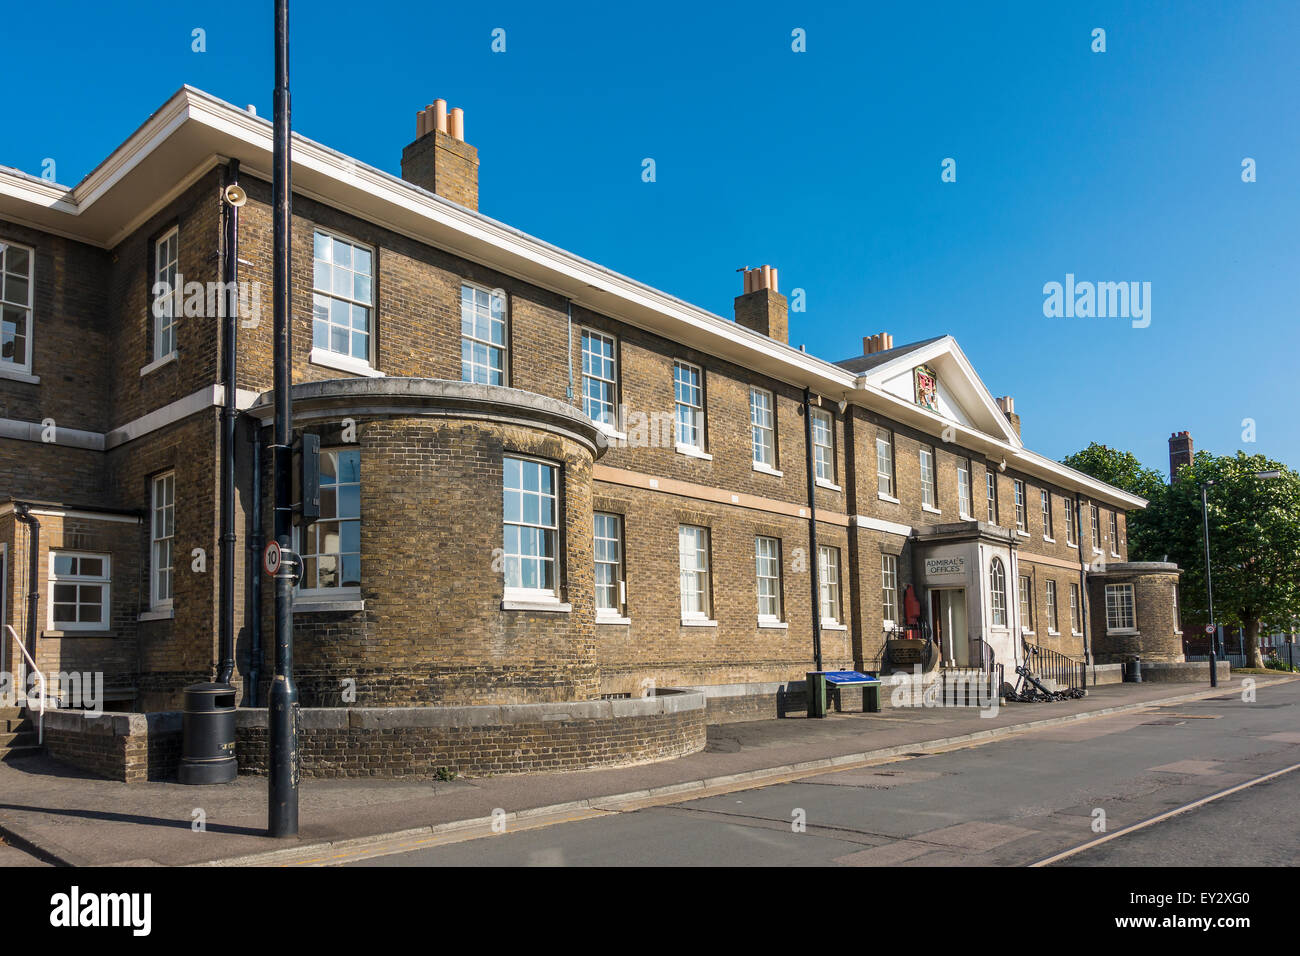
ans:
(1209, 584)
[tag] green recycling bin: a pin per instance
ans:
(815, 687)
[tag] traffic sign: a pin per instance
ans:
(271, 556)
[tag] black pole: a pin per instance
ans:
(23, 513)
(1209, 588)
(812, 532)
(1084, 624)
(282, 719)
(256, 540)
(229, 415)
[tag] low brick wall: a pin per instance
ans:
(131, 748)
(1183, 672)
(521, 738)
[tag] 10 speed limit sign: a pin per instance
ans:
(271, 557)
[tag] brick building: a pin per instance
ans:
(542, 480)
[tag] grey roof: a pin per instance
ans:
(865, 363)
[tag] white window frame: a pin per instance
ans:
(1071, 525)
(823, 439)
(694, 564)
(1120, 610)
(546, 531)
(316, 528)
(162, 482)
(1095, 515)
(608, 411)
(166, 267)
(28, 308)
(767, 570)
(1076, 610)
(997, 593)
(104, 581)
(991, 493)
(692, 410)
(1053, 619)
(885, 466)
(762, 421)
(327, 354)
(467, 371)
(888, 589)
(828, 581)
(1114, 534)
(964, 503)
(929, 486)
(1026, 595)
(614, 543)
(1049, 530)
(1022, 516)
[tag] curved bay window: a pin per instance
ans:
(998, 592)
(331, 546)
(531, 526)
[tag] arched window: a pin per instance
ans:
(998, 592)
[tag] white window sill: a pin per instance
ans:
(1097, 551)
(611, 432)
(965, 517)
(1052, 633)
(1049, 540)
(19, 375)
(1023, 534)
(96, 631)
(343, 363)
(768, 470)
(1122, 630)
(931, 509)
(552, 605)
(159, 363)
(1076, 633)
(1074, 546)
(1027, 632)
(829, 485)
(1114, 554)
(833, 626)
(327, 605)
(698, 622)
(890, 498)
(612, 619)
(158, 614)
(782, 625)
(692, 452)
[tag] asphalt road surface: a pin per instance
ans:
(1018, 801)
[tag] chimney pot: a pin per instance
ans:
(761, 307)
(457, 125)
(444, 164)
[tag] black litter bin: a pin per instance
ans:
(208, 735)
(1133, 671)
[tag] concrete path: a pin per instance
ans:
(74, 819)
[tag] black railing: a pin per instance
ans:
(981, 654)
(1053, 665)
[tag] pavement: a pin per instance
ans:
(65, 817)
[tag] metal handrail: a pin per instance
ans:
(1057, 666)
(40, 723)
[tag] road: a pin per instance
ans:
(1017, 801)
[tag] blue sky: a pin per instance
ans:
(1115, 166)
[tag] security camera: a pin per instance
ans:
(235, 196)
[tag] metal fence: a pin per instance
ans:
(1286, 653)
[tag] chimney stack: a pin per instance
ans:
(1008, 406)
(880, 342)
(439, 159)
(1180, 452)
(761, 308)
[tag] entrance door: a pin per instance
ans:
(948, 612)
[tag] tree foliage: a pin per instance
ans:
(1124, 471)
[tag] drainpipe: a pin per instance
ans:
(253, 603)
(23, 514)
(812, 531)
(229, 415)
(1083, 588)
(568, 305)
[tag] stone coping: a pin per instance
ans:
(665, 701)
(113, 722)
(400, 397)
(1139, 567)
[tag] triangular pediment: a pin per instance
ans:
(937, 377)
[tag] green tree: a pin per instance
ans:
(1124, 471)
(1254, 540)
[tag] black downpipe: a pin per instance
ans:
(229, 416)
(23, 514)
(282, 717)
(253, 604)
(814, 560)
(1085, 624)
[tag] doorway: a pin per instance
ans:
(948, 617)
